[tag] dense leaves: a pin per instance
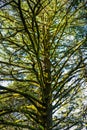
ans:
(43, 58)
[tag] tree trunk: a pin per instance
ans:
(47, 94)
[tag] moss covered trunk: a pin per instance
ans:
(47, 94)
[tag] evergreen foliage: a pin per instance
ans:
(43, 56)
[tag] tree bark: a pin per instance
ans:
(47, 95)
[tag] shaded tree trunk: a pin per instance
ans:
(47, 95)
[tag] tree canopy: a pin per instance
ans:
(43, 57)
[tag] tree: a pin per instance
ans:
(41, 54)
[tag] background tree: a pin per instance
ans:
(42, 55)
